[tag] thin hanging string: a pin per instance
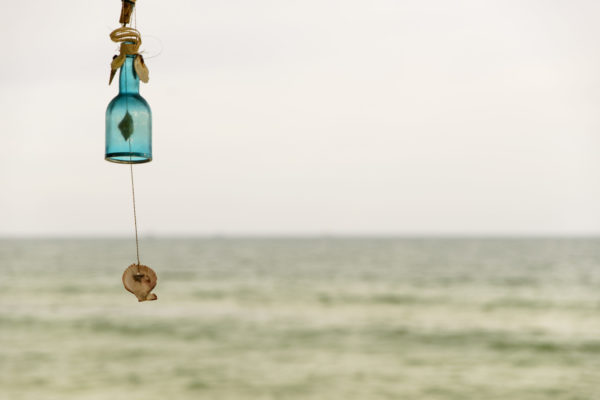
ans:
(137, 249)
(137, 243)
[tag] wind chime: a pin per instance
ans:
(129, 131)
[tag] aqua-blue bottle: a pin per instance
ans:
(128, 121)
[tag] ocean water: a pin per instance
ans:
(320, 318)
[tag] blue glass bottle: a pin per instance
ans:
(128, 121)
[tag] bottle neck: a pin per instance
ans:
(129, 82)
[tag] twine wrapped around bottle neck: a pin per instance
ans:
(130, 40)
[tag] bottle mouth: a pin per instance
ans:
(128, 158)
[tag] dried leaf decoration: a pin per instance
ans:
(140, 68)
(113, 71)
(126, 126)
(140, 280)
(116, 63)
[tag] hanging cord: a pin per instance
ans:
(137, 243)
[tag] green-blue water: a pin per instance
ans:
(319, 318)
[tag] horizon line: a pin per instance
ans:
(314, 235)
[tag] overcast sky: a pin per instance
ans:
(313, 116)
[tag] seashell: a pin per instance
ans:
(140, 280)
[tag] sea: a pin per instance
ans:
(302, 318)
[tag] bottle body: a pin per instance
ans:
(128, 121)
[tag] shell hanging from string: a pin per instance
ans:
(129, 132)
(140, 280)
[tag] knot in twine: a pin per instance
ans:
(130, 40)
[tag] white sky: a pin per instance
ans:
(312, 116)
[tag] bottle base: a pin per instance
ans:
(128, 158)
